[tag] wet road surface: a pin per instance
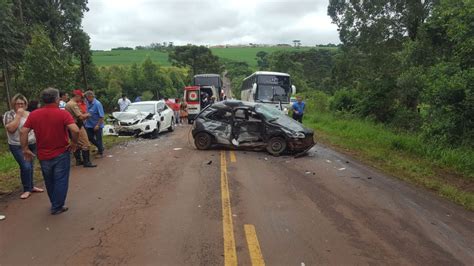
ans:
(161, 202)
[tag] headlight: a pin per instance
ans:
(298, 135)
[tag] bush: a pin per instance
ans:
(316, 101)
(344, 100)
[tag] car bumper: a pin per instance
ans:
(298, 145)
(138, 129)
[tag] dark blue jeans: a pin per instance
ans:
(26, 167)
(95, 137)
(56, 178)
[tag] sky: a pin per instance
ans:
(114, 23)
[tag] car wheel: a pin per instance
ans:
(154, 134)
(203, 141)
(172, 126)
(276, 146)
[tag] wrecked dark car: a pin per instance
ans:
(246, 125)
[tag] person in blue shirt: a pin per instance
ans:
(95, 123)
(298, 109)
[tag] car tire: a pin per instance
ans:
(203, 141)
(172, 126)
(276, 146)
(154, 134)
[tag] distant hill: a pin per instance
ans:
(128, 57)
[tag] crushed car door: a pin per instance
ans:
(160, 108)
(247, 126)
(219, 124)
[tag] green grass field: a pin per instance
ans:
(128, 57)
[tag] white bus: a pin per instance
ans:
(272, 88)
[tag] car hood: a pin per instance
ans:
(291, 125)
(130, 116)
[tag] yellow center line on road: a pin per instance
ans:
(230, 255)
(233, 159)
(256, 256)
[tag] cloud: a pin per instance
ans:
(113, 23)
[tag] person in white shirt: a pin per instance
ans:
(64, 99)
(123, 103)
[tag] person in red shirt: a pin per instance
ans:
(51, 126)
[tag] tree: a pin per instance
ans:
(81, 48)
(198, 58)
(11, 43)
(43, 66)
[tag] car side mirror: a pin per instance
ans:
(254, 88)
(293, 89)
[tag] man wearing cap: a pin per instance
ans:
(95, 123)
(79, 117)
(51, 126)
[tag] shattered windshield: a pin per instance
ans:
(270, 113)
(272, 93)
(143, 108)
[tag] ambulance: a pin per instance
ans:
(197, 98)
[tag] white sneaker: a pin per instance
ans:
(235, 142)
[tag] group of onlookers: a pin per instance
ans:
(60, 127)
(180, 110)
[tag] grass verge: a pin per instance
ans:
(9, 170)
(448, 172)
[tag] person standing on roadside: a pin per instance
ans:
(64, 99)
(95, 123)
(79, 117)
(14, 121)
(183, 112)
(176, 107)
(52, 127)
(298, 109)
(123, 102)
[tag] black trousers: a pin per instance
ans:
(298, 118)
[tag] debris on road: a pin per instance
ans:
(110, 156)
(177, 149)
(328, 161)
(369, 177)
(307, 173)
(341, 169)
(209, 163)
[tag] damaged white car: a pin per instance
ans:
(147, 118)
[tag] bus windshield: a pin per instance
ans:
(273, 93)
(274, 80)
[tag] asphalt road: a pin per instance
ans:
(151, 203)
